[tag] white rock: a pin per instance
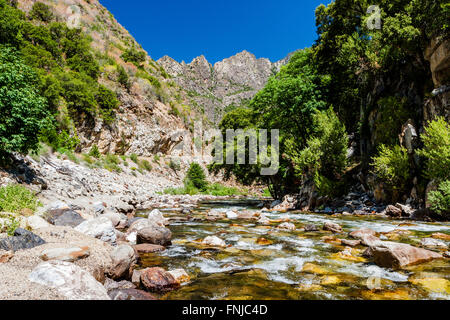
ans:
(100, 228)
(156, 217)
(65, 254)
(69, 280)
(287, 226)
(433, 243)
(231, 214)
(214, 241)
(36, 222)
(180, 275)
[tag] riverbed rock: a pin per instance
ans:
(154, 235)
(264, 221)
(333, 227)
(433, 243)
(214, 242)
(158, 280)
(5, 256)
(36, 222)
(22, 239)
(100, 228)
(351, 243)
(231, 214)
(65, 254)
(69, 280)
(397, 255)
(393, 211)
(358, 234)
(64, 217)
(441, 236)
(136, 277)
(123, 260)
(116, 218)
(156, 218)
(287, 226)
(311, 228)
(180, 275)
(130, 294)
(145, 248)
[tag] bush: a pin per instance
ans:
(440, 199)
(108, 103)
(41, 11)
(135, 56)
(436, 150)
(146, 165)
(134, 158)
(94, 152)
(392, 167)
(197, 176)
(123, 77)
(16, 198)
(174, 165)
(22, 109)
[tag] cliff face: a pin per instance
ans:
(224, 85)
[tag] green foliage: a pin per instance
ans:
(436, 150)
(16, 198)
(197, 176)
(108, 103)
(134, 158)
(123, 77)
(42, 12)
(145, 165)
(94, 152)
(174, 165)
(23, 110)
(215, 189)
(440, 199)
(135, 56)
(392, 167)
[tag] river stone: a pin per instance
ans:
(145, 248)
(180, 275)
(123, 259)
(287, 226)
(5, 256)
(231, 214)
(65, 254)
(22, 239)
(36, 222)
(158, 280)
(156, 218)
(351, 243)
(214, 242)
(358, 234)
(333, 227)
(116, 218)
(100, 228)
(69, 280)
(130, 294)
(311, 228)
(393, 211)
(433, 243)
(154, 235)
(113, 285)
(397, 255)
(64, 217)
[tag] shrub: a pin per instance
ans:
(135, 56)
(197, 177)
(22, 109)
(94, 152)
(108, 103)
(41, 11)
(392, 167)
(134, 158)
(123, 77)
(146, 165)
(440, 199)
(16, 198)
(174, 165)
(436, 150)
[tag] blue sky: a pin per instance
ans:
(218, 29)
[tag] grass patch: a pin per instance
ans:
(215, 189)
(17, 199)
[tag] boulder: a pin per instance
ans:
(333, 227)
(158, 280)
(351, 243)
(311, 228)
(264, 221)
(100, 228)
(22, 239)
(287, 226)
(65, 254)
(358, 234)
(130, 294)
(69, 280)
(393, 211)
(64, 217)
(36, 222)
(180, 275)
(145, 248)
(154, 235)
(123, 259)
(112, 285)
(136, 277)
(116, 218)
(214, 241)
(156, 218)
(231, 214)
(397, 255)
(99, 208)
(433, 243)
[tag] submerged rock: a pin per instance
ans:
(69, 280)
(158, 280)
(22, 239)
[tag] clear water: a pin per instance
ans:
(293, 264)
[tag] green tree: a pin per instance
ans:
(23, 111)
(197, 177)
(41, 11)
(108, 103)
